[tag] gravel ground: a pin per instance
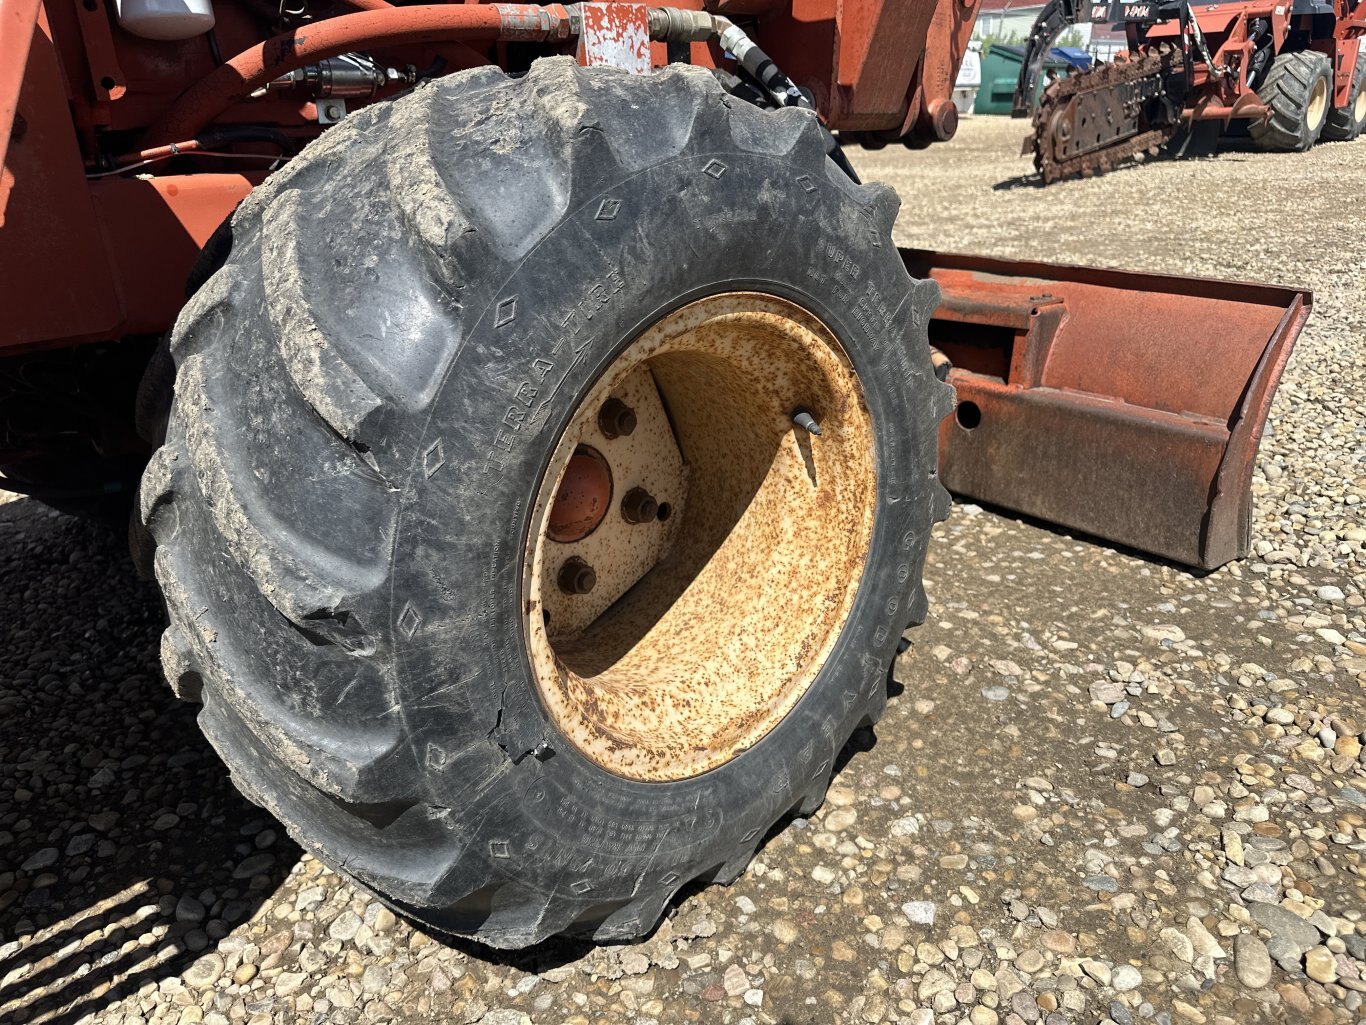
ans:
(1105, 789)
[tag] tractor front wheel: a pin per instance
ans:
(546, 489)
(1299, 89)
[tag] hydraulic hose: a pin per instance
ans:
(760, 66)
(213, 139)
(454, 52)
(307, 44)
(379, 24)
(675, 25)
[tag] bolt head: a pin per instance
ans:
(616, 419)
(639, 506)
(577, 577)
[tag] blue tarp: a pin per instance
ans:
(1074, 56)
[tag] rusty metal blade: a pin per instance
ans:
(1124, 405)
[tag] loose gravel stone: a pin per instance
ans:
(1252, 961)
(920, 912)
(1058, 941)
(934, 983)
(1099, 971)
(1320, 965)
(345, 926)
(1125, 978)
(188, 909)
(734, 981)
(202, 974)
(840, 819)
(1285, 926)
(1179, 944)
(1202, 941)
(253, 866)
(45, 858)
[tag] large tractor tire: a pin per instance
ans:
(489, 542)
(1345, 123)
(1299, 90)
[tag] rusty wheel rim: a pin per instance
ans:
(714, 605)
(1318, 104)
(1359, 107)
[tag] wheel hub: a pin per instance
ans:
(583, 498)
(1318, 104)
(733, 542)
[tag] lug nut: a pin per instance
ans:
(577, 577)
(639, 506)
(616, 419)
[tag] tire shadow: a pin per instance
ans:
(127, 852)
(1231, 150)
(1066, 533)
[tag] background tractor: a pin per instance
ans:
(1290, 74)
(541, 458)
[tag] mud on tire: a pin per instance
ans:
(368, 393)
(1294, 89)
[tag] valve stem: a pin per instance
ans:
(807, 422)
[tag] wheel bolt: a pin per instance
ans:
(577, 577)
(616, 419)
(639, 506)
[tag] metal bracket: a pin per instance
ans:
(615, 35)
(106, 76)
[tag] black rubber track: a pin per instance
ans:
(1342, 124)
(1288, 85)
(344, 493)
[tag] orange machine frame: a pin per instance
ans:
(85, 257)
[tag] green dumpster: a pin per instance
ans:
(1001, 70)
